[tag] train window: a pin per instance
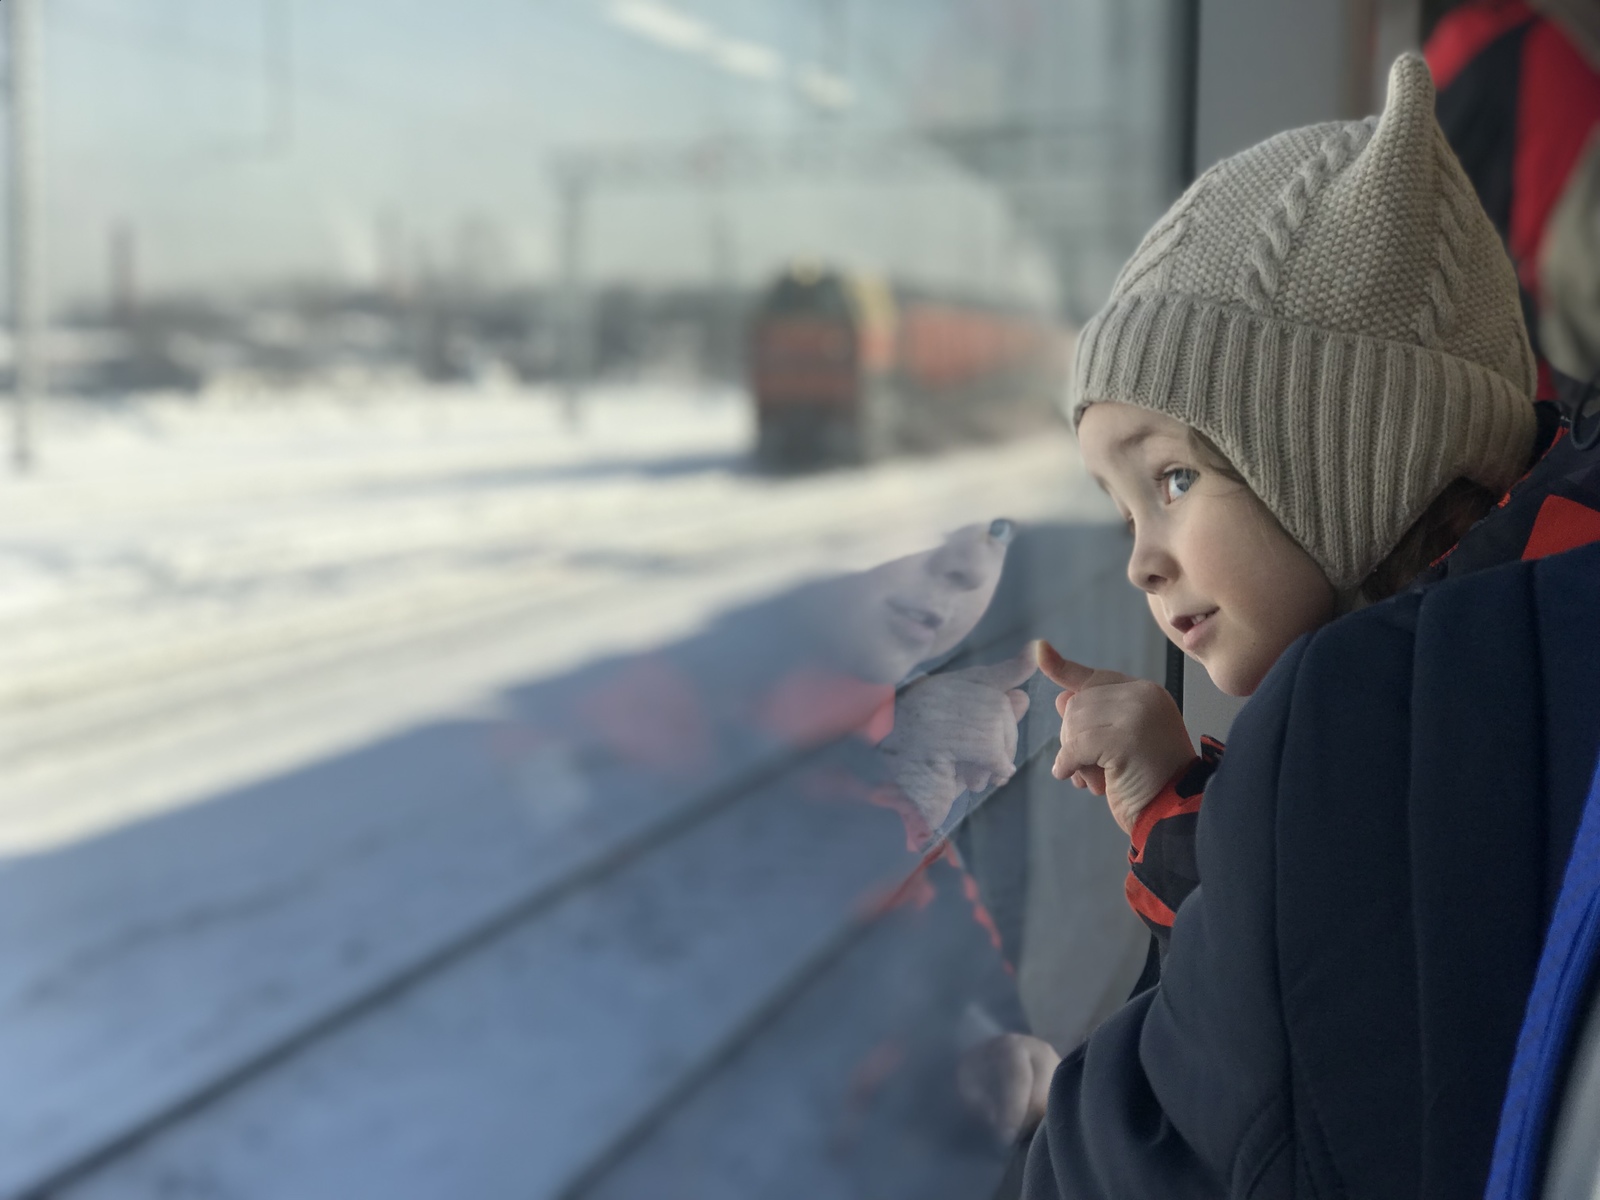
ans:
(520, 538)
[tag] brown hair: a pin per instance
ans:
(1461, 505)
(1212, 458)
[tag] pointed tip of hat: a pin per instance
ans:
(1408, 112)
(1410, 83)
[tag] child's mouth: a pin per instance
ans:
(1191, 627)
(913, 624)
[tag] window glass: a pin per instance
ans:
(526, 521)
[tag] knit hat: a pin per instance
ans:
(1333, 309)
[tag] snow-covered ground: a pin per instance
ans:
(321, 568)
(266, 665)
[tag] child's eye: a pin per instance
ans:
(1177, 482)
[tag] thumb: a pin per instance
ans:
(1008, 673)
(1019, 703)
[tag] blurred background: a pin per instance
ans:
(492, 489)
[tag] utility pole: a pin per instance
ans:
(124, 275)
(573, 191)
(722, 359)
(27, 295)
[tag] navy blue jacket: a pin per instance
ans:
(1380, 850)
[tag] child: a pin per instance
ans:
(1310, 351)
(1309, 381)
(1311, 378)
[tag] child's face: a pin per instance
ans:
(885, 621)
(1223, 580)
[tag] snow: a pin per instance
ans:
(267, 665)
(304, 556)
(541, 1039)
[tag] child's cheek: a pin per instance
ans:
(1155, 613)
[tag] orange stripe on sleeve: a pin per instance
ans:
(1146, 903)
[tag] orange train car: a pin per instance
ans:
(846, 367)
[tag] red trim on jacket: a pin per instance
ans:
(1180, 796)
(1558, 107)
(1461, 35)
(1561, 525)
(1544, 388)
(1146, 903)
(1168, 803)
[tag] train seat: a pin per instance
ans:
(1573, 1170)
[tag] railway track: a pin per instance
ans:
(81, 732)
(76, 1174)
(593, 873)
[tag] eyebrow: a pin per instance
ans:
(1122, 445)
(1132, 440)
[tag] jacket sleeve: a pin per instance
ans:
(1161, 859)
(1185, 1092)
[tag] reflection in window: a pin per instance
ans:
(515, 660)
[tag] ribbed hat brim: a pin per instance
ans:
(1291, 406)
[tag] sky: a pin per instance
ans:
(257, 141)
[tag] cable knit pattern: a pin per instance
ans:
(1153, 253)
(1439, 313)
(1333, 309)
(1272, 243)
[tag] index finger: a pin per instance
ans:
(1063, 671)
(1007, 673)
(1073, 676)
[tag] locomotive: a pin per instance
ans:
(847, 367)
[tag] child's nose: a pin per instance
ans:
(1148, 569)
(1146, 581)
(964, 564)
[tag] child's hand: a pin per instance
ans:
(1006, 1081)
(957, 732)
(1122, 738)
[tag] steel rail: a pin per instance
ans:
(507, 919)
